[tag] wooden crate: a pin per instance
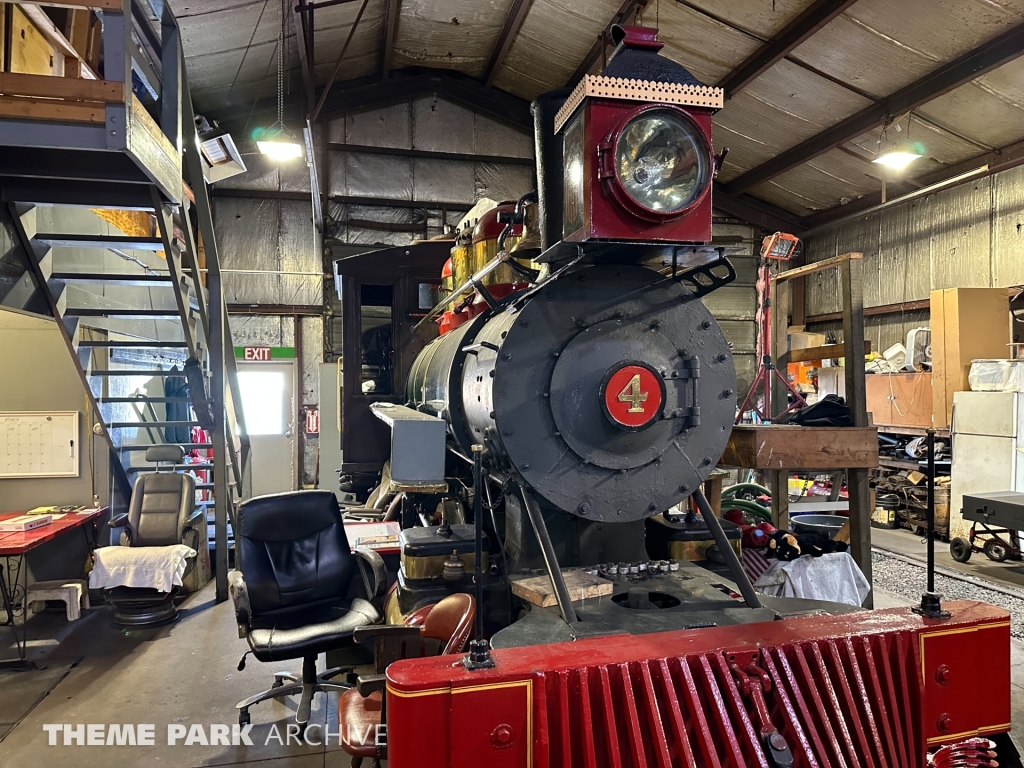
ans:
(782, 446)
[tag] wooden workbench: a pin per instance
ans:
(783, 446)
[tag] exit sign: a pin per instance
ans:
(256, 353)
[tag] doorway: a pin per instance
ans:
(268, 403)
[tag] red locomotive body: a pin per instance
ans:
(871, 689)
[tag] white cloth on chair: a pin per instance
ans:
(835, 577)
(159, 568)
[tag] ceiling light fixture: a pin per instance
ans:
(280, 150)
(900, 156)
(277, 142)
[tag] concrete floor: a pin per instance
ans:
(185, 673)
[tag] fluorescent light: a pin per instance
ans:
(900, 156)
(280, 150)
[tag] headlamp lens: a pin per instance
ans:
(662, 161)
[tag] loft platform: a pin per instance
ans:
(60, 121)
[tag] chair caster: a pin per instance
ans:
(243, 718)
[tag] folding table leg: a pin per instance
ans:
(9, 588)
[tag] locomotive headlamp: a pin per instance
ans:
(661, 161)
(636, 149)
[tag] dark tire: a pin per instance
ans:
(996, 550)
(960, 549)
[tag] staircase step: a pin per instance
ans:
(150, 424)
(101, 278)
(113, 312)
(135, 373)
(177, 467)
(134, 344)
(189, 446)
(101, 241)
(140, 399)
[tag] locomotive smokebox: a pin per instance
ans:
(610, 392)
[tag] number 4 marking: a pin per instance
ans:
(631, 394)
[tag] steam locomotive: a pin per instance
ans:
(535, 429)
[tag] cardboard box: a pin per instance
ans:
(967, 324)
(900, 399)
(804, 340)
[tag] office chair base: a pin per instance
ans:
(304, 687)
(145, 616)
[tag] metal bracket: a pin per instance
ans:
(705, 278)
(685, 407)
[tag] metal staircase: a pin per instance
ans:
(141, 306)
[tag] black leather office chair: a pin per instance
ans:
(292, 590)
(162, 512)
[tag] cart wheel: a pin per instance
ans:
(996, 550)
(960, 549)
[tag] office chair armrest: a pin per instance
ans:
(363, 513)
(197, 518)
(373, 631)
(240, 599)
(377, 569)
(367, 684)
(118, 521)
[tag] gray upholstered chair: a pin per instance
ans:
(162, 512)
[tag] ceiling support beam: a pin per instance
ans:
(304, 42)
(793, 34)
(754, 211)
(996, 52)
(390, 29)
(514, 20)
(366, 93)
(998, 160)
(625, 15)
(337, 64)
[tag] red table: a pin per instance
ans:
(14, 545)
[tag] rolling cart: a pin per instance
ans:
(998, 518)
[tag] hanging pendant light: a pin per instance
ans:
(901, 154)
(277, 142)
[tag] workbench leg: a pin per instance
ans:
(778, 484)
(713, 492)
(860, 524)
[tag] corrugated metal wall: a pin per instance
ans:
(971, 235)
(735, 305)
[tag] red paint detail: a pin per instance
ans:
(488, 227)
(647, 396)
(604, 217)
(637, 37)
(844, 691)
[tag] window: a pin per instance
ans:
(263, 401)
(375, 310)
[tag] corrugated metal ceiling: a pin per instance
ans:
(868, 52)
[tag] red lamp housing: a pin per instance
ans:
(637, 153)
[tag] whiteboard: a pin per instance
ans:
(39, 444)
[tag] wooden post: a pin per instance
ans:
(782, 302)
(778, 484)
(851, 273)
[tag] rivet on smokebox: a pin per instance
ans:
(507, 432)
(684, 488)
(726, 393)
(706, 324)
(506, 355)
(524, 322)
(584, 508)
